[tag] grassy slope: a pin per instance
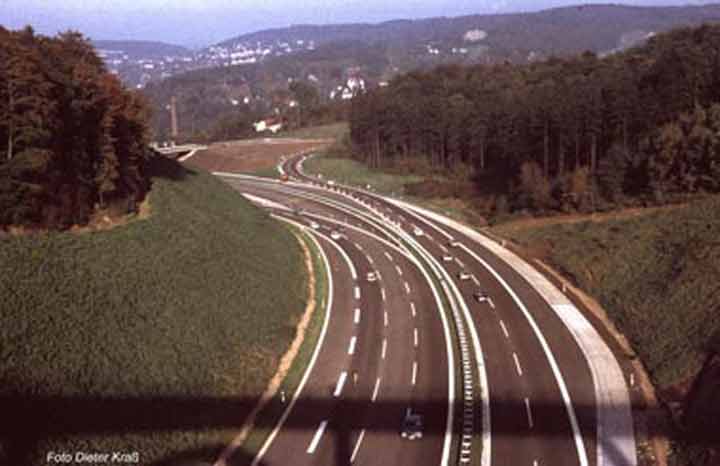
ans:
(350, 172)
(200, 300)
(654, 276)
(330, 131)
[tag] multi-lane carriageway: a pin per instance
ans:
(510, 380)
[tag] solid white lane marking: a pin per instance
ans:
(357, 446)
(357, 316)
(414, 372)
(387, 254)
(412, 309)
(382, 292)
(357, 292)
(386, 318)
(340, 384)
(351, 348)
(529, 413)
(316, 438)
(517, 364)
(399, 270)
(376, 390)
(504, 329)
(407, 288)
(384, 348)
(415, 337)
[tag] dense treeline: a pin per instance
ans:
(72, 139)
(580, 133)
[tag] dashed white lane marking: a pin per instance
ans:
(475, 280)
(460, 263)
(399, 270)
(386, 318)
(412, 309)
(414, 372)
(351, 348)
(491, 303)
(444, 249)
(504, 329)
(357, 292)
(407, 288)
(357, 316)
(384, 348)
(535, 463)
(517, 364)
(357, 446)
(376, 390)
(415, 337)
(529, 413)
(387, 254)
(357, 245)
(340, 384)
(382, 292)
(370, 259)
(316, 438)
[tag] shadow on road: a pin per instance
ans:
(26, 421)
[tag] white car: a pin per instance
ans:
(314, 225)
(335, 235)
(372, 276)
(454, 243)
(331, 183)
(447, 258)
(464, 276)
(417, 231)
(412, 426)
(480, 296)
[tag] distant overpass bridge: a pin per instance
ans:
(181, 152)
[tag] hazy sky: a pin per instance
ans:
(202, 22)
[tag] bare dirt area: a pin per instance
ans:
(251, 155)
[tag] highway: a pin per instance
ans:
(505, 375)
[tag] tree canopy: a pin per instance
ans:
(72, 138)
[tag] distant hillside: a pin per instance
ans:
(257, 68)
(560, 30)
(142, 49)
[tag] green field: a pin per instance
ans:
(658, 278)
(351, 172)
(331, 131)
(155, 337)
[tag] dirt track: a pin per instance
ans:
(251, 155)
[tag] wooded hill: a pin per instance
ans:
(72, 139)
(580, 133)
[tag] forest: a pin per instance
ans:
(576, 134)
(73, 140)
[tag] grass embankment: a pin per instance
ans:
(657, 277)
(156, 337)
(330, 131)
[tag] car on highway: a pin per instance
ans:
(480, 296)
(454, 243)
(447, 258)
(284, 177)
(412, 426)
(314, 225)
(331, 183)
(335, 235)
(417, 231)
(464, 276)
(372, 276)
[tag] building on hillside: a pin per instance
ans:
(269, 124)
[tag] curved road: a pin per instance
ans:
(521, 388)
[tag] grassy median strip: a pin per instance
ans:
(155, 337)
